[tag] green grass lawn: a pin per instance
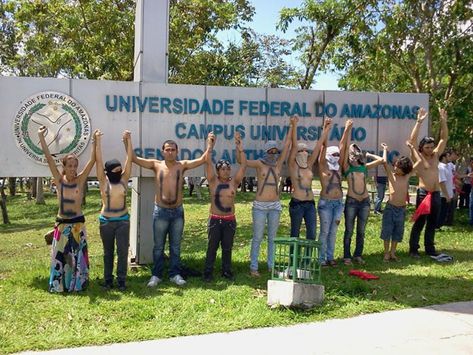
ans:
(33, 319)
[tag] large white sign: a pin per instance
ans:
(72, 109)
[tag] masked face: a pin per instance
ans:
(301, 158)
(332, 155)
(271, 157)
(113, 170)
(355, 155)
(114, 176)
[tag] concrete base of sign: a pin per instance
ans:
(294, 294)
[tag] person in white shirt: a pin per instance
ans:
(446, 188)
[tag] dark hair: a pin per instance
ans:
(221, 163)
(443, 155)
(405, 164)
(170, 141)
(424, 141)
(65, 159)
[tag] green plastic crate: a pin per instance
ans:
(296, 259)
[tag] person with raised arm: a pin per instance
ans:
(222, 221)
(428, 191)
(302, 204)
(267, 206)
(357, 203)
(69, 258)
(330, 205)
(392, 227)
(114, 218)
(168, 214)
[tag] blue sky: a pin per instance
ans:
(265, 20)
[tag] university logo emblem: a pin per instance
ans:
(66, 120)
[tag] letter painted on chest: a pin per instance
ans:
(161, 179)
(218, 203)
(272, 173)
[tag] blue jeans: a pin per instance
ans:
(167, 221)
(360, 211)
(381, 182)
(260, 217)
(330, 213)
(299, 210)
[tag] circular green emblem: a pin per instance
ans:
(66, 120)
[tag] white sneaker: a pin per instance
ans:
(154, 281)
(178, 280)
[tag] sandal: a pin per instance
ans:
(347, 261)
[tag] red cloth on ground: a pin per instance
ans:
(363, 275)
(424, 207)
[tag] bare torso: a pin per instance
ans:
(302, 183)
(357, 185)
(331, 184)
(169, 184)
(268, 179)
(113, 199)
(398, 189)
(222, 201)
(429, 177)
(69, 195)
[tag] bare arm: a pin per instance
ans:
(443, 132)
(287, 143)
(387, 167)
(209, 169)
(293, 153)
(129, 155)
(241, 171)
(322, 159)
(315, 153)
(421, 116)
(344, 144)
(82, 176)
(144, 163)
(250, 163)
(52, 165)
(377, 160)
(98, 156)
(191, 164)
(417, 158)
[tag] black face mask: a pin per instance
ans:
(114, 177)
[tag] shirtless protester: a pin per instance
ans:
(302, 204)
(428, 191)
(69, 258)
(168, 214)
(392, 227)
(330, 206)
(222, 220)
(267, 206)
(357, 203)
(114, 218)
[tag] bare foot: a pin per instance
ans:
(386, 258)
(394, 257)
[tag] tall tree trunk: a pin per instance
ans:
(39, 191)
(33, 187)
(12, 185)
(3, 204)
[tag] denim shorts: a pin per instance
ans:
(393, 223)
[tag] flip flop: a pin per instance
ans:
(442, 258)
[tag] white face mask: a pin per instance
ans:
(301, 159)
(332, 160)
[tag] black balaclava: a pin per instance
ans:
(113, 177)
